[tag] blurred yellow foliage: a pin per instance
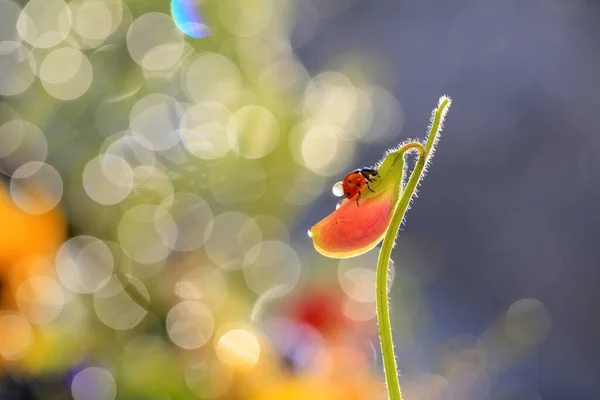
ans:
(27, 243)
(323, 389)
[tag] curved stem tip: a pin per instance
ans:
(385, 329)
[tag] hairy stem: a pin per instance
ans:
(383, 317)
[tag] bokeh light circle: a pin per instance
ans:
(36, 57)
(272, 228)
(358, 283)
(331, 98)
(94, 383)
(151, 186)
(107, 179)
(212, 77)
(36, 187)
(527, 322)
(193, 217)
(271, 264)
(356, 276)
(207, 284)
(284, 78)
(92, 19)
(41, 299)
(61, 65)
(239, 21)
(319, 146)
(44, 23)
(154, 42)
(131, 151)
(357, 310)
(203, 130)
(147, 233)
(17, 335)
(253, 131)
(115, 307)
(16, 72)
(322, 148)
(231, 235)
(360, 120)
(388, 115)
(66, 73)
(9, 35)
(304, 188)
(154, 119)
(95, 20)
(20, 142)
(84, 264)
(238, 348)
(190, 324)
(247, 184)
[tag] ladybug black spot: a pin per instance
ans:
(358, 184)
(349, 181)
(348, 193)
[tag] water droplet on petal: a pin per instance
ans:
(338, 189)
(341, 203)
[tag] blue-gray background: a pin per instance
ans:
(511, 202)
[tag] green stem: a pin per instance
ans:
(383, 317)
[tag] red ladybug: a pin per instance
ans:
(357, 180)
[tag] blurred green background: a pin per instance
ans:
(152, 182)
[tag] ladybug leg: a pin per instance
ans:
(358, 197)
(370, 187)
(371, 178)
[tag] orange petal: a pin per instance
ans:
(354, 229)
